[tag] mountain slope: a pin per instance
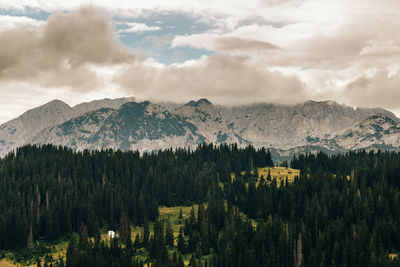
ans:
(18, 131)
(143, 126)
(116, 103)
(208, 121)
(24, 128)
(378, 131)
(288, 126)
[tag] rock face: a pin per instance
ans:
(378, 131)
(83, 108)
(23, 129)
(143, 126)
(124, 124)
(284, 126)
(18, 131)
(209, 122)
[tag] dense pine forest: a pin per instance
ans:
(343, 210)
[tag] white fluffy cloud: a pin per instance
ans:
(221, 78)
(137, 27)
(11, 22)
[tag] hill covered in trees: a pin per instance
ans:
(342, 210)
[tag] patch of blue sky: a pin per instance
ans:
(157, 43)
(181, 54)
(32, 13)
(173, 22)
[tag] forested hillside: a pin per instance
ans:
(342, 210)
(53, 190)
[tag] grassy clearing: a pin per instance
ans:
(171, 214)
(279, 174)
(17, 258)
(5, 262)
(167, 213)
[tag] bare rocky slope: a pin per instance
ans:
(22, 129)
(285, 126)
(376, 132)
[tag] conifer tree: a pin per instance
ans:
(169, 234)
(125, 229)
(181, 244)
(146, 235)
(29, 242)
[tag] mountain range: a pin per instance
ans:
(126, 124)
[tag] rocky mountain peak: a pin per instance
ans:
(83, 108)
(208, 120)
(200, 102)
(201, 107)
(34, 120)
(55, 103)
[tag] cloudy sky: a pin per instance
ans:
(231, 52)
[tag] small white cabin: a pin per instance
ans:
(111, 234)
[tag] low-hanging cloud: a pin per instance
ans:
(221, 78)
(59, 53)
(380, 90)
